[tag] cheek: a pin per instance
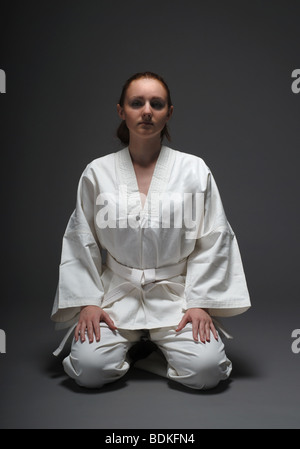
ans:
(163, 117)
(130, 118)
(131, 115)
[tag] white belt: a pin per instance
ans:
(135, 278)
(142, 279)
(146, 279)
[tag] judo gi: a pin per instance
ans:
(174, 252)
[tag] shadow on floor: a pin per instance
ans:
(242, 368)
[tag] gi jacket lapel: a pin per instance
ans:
(160, 178)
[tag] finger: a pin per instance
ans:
(76, 333)
(195, 329)
(106, 318)
(182, 323)
(82, 331)
(214, 331)
(97, 330)
(202, 331)
(90, 331)
(207, 331)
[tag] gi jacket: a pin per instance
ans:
(175, 252)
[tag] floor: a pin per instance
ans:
(263, 391)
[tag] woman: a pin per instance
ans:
(172, 260)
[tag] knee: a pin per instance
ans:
(207, 375)
(86, 372)
(93, 370)
(203, 374)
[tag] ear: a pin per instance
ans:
(120, 112)
(170, 112)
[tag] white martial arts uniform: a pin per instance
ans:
(176, 252)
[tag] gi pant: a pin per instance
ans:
(194, 364)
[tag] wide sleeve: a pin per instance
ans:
(215, 276)
(79, 282)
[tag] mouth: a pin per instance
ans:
(146, 123)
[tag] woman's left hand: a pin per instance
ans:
(202, 324)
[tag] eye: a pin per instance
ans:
(156, 104)
(136, 104)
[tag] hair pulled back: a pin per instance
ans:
(123, 131)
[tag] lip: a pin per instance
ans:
(146, 123)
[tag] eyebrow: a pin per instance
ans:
(140, 97)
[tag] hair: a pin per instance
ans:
(123, 131)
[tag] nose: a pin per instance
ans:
(147, 112)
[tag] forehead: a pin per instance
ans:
(146, 87)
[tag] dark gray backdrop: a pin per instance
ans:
(228, 65)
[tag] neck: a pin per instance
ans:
(144, 152)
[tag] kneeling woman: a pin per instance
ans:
(172, 260)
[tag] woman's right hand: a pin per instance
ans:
(89, 319)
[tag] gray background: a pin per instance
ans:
(228, 65)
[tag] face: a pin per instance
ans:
(145, 108)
